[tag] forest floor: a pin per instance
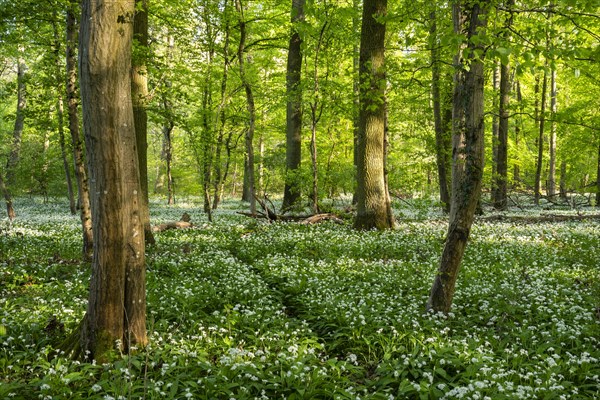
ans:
(245, 309)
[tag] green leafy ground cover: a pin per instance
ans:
(240, 309)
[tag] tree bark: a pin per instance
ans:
(139, 97)
(598, 179)
(441, 129)
(15, 149)
(372, 207)
(115, 317)
(500, 202)
(83, 193)
(563, 180)
(60, 116)
(468, 148)
(10, 210)
(355, 94)
(249, 189)
(291, 193)
(552, 144)
(495, 128)
(540, 141)
(518, 127)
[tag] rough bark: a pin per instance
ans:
(468, 149)
(249, 185)
(15, 149)
(563, 180)
(441, 129)
(540, 141)
(83, 193)
(372, 196)
(115, 317)
(10, 210)
(60, 115)
(552, 144)
(291, 193)
(139, 98)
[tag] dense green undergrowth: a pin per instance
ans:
(242, 309)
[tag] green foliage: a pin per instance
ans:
(244, 309)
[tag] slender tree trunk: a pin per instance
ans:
(552, 146)
(372, 209)
(563, 180)
(500, 202)
(441, 130)
(167, 130)
(291, 193)
(139, 96)
(518, 125)
(85, 213)
(355, 94)
(495, 128)
(15, 149)
(60, 116)
(468, 149)
(10, 211)
(540, 141)
(116, 313)
(598, 179)
(249, 189)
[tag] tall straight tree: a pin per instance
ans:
(291, 192)
(139, 97)
(552, 143)
(469, 18)
(15, 149)
(373, 207)
(540, 141)
(116, 313)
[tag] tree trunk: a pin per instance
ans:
(167, 130)
(552, 145)
(500, 202)
(249, 189)
(598, 179)
(60, 116)
(518, 127)
(85, 213)
(495, 128)
(15, 149)
(355, 94)
(139, 97)
(291, 193)
(540, 141)
(468, 149)
(441, 129)
(115, 317)
(563, 180)
(372, 208)
(10, 211)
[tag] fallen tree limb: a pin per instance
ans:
(315, 219)
(303, 219)
(183, 223)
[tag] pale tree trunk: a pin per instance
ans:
(15, 149)
(442, 133)
(249, 189)
(500, 201)
(115, 317)
(468, 149)
(83, 193)
(518, 125)
(60, 116)
(167, 130)
(10, 211)
(540, 141)
(139, 97)
(552, 145)
(291, 192)
(373, 210)
(43, 177)
(495, 127)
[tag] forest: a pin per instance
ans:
(301, 199)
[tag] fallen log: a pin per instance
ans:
(541, 218)
(315, 219)
(183, 223)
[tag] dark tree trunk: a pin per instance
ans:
(139, 97)
(552, 144)
(60, 116)
(468, 149)
(85, 213)
(291, 192)
(540, 142)
(373, 209)
(116, 312)
(249, 189)
(10, 211)
(442, 133)
(563, 180)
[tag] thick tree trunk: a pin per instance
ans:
(60, 116)
(441, 130)
(115, 318)
(372, 209)
(15, 149)
(249, 189)
(139, 97)
(540, 142)
(10, 210)
(85, 213)
(468, 149)
(291, 193)
(552, 145)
